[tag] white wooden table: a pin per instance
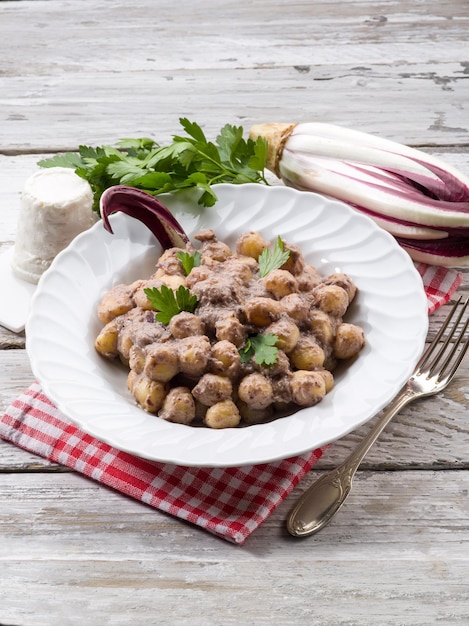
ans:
(73, 552)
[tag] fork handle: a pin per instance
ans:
(320, 502)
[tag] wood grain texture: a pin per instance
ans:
(398, 551)
(417, 103)
(389, 558)
(150, 67)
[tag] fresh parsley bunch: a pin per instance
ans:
(189, 161)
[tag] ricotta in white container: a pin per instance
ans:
(56, 205)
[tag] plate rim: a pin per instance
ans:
(259, 458)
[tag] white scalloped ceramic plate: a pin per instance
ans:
(391, 307)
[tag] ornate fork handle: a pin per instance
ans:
(433, 373)
(323, 499)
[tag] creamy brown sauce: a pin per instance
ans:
(191, 371)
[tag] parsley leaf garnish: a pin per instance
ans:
(168, 303)
(188, 260)
(189, 161)
(261, 347)
(272, 259)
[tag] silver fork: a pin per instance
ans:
(436, 368)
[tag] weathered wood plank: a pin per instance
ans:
(398, 59)
(225, 34)
(66, 539)
(347, 95)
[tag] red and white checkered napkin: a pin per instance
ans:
(229, 502)
(439, 283)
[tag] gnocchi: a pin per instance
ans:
(205, 367)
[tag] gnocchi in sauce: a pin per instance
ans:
(191, 371)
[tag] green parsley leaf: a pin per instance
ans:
(272, 259)
(139, 146)
(258, 160)
(188, 161)
(193, 129)
(188, 260)
(229, 140)
(126, 171)
(69, 159)
(149, 181)
(262, 348)
(208, 198)
(168, 303)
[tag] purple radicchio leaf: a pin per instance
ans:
(146, 208)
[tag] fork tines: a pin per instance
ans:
(447, 351)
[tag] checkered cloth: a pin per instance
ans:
(229, 502)
(439, 283)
